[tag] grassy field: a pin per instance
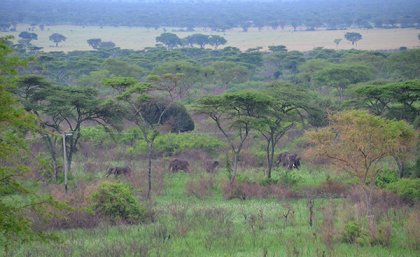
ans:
(186, 225)
(138, 38)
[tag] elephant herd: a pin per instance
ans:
(287, 160)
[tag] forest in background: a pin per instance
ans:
(218, 16)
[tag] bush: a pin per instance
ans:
(289, 178)
(386, 177)
(117, 201)
(354, 234)
(408, 189)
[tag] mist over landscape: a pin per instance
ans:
(210, 128)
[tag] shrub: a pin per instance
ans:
(117, 201)
(408, 189)
(386, 177)
(353, 233)
(289, 178)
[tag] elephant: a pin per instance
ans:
(118, 171)
(288, 160)
(179, 164)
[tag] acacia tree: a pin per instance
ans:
(340, 76)
(64, 109)
(57, 38)
(143, 107)
(226, 73)
(337, 42)
(27, 37)
(198, 39)
(234, 115)
(32, 90)
(287, 106)
(94, 42)
(216, 41)
(353, 37)
(170, 40)
(357, 143)
(397, 100)
(176, 78)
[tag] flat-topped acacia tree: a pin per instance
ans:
(57, 38)
(147, 106)
(234, 115)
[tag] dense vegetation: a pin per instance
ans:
(351, 116)
(217, 15)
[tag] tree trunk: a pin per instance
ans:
(267, 154)
(400, 165)
(149, 169)
(235, 165)
(53, 154)
(311, 202)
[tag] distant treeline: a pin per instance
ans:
(218, 16)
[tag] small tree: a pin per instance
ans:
(140, 102)
(340, 76)
(216, 41)
(337, 41)
(287, 106)
(170, 40)
(357, 143)
(57, 38)
(27, 37)
(94, 42)
(226, 73)
(66, 109)
(198, 39)
(234, 115)
(353, 37)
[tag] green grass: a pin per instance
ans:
(138, 38)
(213, 226)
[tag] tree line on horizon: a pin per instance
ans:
(218, 16)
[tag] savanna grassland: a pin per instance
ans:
(268, 133)
(138, 38)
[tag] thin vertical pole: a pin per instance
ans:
(65, 162)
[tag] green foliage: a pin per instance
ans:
(118, 202)
(57, 38)
(386, 177)
(400, 100)
(353, 37)
(290, 178)
(16, 198)
(407, 188)
(174, 116)
(404, 65)
(341, 76)
(354, 234)
(170, 40)
(170, 144)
